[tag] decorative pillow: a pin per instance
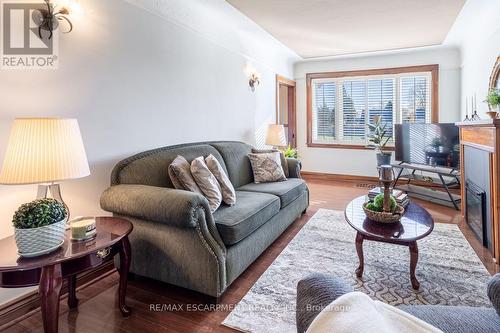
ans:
(207, 182)
(284, 163)
(267, 167)
(180, 175)
(228, 193)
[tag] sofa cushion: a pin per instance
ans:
(180, 174)
(267, 167)
(237, 162)
(227, 189)
(284, 162)
(287, 190)
(207, 182)
(250, 211)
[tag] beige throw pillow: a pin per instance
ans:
(180, 175)
(207, 182)
(284, 163)
(228, 193)
(267, 167)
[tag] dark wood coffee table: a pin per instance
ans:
(71, 258)
(415, 224)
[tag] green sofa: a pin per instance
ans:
(177, 240)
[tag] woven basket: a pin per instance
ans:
(384, 217)
(40, 239)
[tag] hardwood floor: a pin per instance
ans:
(98, 310)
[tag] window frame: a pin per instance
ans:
(433, 69)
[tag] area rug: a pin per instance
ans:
(449, 272)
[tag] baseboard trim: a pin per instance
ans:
(356, 179)
(338, 177)
(24, 306)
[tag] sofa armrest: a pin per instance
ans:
(158, 204)
(294, 166)
(493, 290)
(314, 293)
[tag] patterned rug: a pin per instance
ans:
(449, 272)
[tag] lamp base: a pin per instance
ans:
(55, 193)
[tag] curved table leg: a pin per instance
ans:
(72, 300)
(125, 256)
(413, 264)
(359, 250)
(49, 290)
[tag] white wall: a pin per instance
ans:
(477, 33)
(137, 80)
(362, 162)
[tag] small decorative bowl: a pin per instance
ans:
(384, 217)
(492, 114)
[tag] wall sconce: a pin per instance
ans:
(253, 81)
(253, 76)
(48, 19)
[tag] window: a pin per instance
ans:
(341, 104)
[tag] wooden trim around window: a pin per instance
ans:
(434, 69)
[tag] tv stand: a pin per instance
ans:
(441, 177)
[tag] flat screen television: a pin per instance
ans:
(431, 144)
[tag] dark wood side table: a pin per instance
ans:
(415, 224)
(71, 258)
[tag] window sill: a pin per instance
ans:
(343, 146)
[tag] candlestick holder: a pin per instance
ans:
(475, 116)
(386, 177)
(467, 110)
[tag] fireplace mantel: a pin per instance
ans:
(484, 135)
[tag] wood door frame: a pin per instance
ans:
(292, 111)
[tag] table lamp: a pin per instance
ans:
(276, 136)
(44, 151)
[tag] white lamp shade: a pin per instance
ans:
(44, 150)
(276, 136)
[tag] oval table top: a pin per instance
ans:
(416, 223)
(109, 231)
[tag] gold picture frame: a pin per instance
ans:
(495, 76)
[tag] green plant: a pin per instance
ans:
(378, 135)
(39, 213)
(378, 203)
(436, 143)
(371, 206)
(493, 98)
(290, 152)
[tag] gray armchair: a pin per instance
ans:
(317, 291)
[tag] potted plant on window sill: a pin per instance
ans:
(378, 140)
(40, 227)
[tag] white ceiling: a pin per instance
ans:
(316, 28)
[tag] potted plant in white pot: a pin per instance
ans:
(378, 139)
(40, 226)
